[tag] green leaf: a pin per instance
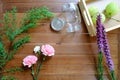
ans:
(13, 19)
(20, 42)
(17, 44)
(2, 63)
(9, 34)
(24, 28)
(6, 20)
(3, 53)
(38, 13)
(30, 19)
(13, 70)
(8, 78)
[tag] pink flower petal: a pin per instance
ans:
(29, 60)
(48, 50)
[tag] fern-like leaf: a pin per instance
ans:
(20, 42)
(13, 70)
(3, 53)
(24, 28)
(13, 18)
(31, 18)
(8, 78)
(16, 45)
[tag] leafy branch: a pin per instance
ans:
(12, 70)
(8, 78)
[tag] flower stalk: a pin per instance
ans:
(39, 67)
(100, 48)
(33, 73)
(103, 49)
(108, 56)
(100, 66)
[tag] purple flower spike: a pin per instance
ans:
(103, 43)
(103, 48)
(107, 51)
(99, 34)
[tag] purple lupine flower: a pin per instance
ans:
(99, 34)
(107, 51)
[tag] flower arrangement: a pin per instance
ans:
(103, 50)
(38, 58)
(10, 40)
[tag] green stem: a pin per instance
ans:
(1, 73)
(39, 66)
(10, 55)
(100, 66)
(33, 73)
(112, 75)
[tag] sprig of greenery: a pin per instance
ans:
(3, 55)
(20, 42)
(13, 70)
(31, 18)
(8, 78)
(17, 44)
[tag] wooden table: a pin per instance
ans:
(75, 52)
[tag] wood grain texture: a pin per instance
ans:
(1, 7)
(76, 53)
(118, 55)
(32, 1)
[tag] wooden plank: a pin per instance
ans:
(1, 7)
(22, 7)
(70, 48)
(63, 49)
(112, 38)
(118, 55)
(65, 38)
(116, 31)
(46, 28)
(59, 38)
(113, 48)
(39, 1)
(61, 60)
(58, 77)
(86, 69)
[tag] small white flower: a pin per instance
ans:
(36, 49)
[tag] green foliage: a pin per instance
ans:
(8, 78)
(20, 42)
(11, 31)
(2, 51)
(3, 55)
(31, 18)
(28, 22)
(37, 13)
(13, 70)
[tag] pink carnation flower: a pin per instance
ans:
(47, 50)
(29, 60)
